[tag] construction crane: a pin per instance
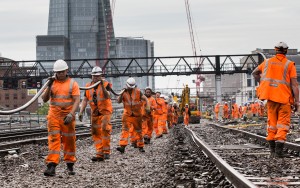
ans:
(199, 78)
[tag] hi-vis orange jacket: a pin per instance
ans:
(132, 103)
(61, 101)
(159, 107)
(275, 79)
(104, 104)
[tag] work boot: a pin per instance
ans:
(272, 148)
(141, 150)
(159, 136)
(133, 144)
(70, 168)
(106, 156)
(50, 171)
(121, 149)
(279, 149)
(97, 159)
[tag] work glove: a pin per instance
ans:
(148, 111)
(51, 80)
(80, 116)
(68, 119)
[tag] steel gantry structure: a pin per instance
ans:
(34, 71)
(136, 67)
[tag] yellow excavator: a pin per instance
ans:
(194, 105)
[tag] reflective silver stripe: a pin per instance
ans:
(281, 141)
(280, 126)
(124, 139)
(71, 87)
(276, 81)
(96, 126)
(271, 127)
(138, 131)
(125, 129)
(54, 152)
(61, 103)
(285, 69)
(100, 153)
(54, 132)
(68, 134)
(98, 142)
(264, 73)
(140, 140)
(106, 148)
(61, 97)
(106, 137)
(69, 153)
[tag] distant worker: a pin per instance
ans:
(132, 99)
(186, 115)
(278, 85)
(217, 109)
(158, 115)
(225, 111)
(148, 117)
(176, 113)
(163, 120)
(235, 110)
(64, 95)
(101, 110)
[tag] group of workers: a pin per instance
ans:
(251, 109)
(144, 113)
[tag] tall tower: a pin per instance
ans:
(78, 29)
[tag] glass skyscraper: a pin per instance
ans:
(78, 29)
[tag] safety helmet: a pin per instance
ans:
(281, 45)
(166, 98)
(186, 104)
(130, 83)
(146, 88)
(162, 96)
(96, 71)
(60, 65)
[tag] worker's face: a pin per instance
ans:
(61, 75)
(157, 95)
(96, 78)
(148, 93)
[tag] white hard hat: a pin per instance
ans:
(166, 98)
(162, 96)
(60, 65)
(96, 71)
(130, 83)
(186, 104)
(281, 45)
(148, 88)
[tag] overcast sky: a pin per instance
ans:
(220, 26)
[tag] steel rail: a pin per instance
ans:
(288, 145)
(231, 174)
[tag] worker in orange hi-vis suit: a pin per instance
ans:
(253, 109)
(225, 111)
(244, 110)
(170, 117)
(176, 113)
(186, 115)
(235, 111)
(101, 110)
(64, 95)
(132, 99)
(217, 109)
(158, 115)
(163, 121)
(278, 85)
(148, 117)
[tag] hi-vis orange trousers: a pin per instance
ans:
(148, 126)
(157, 124)
(278, 121)
(127, 122)
(59, 133)
(101, 132)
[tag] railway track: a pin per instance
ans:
(12, 140)
(222, 157)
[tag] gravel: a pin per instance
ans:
(131, 169)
